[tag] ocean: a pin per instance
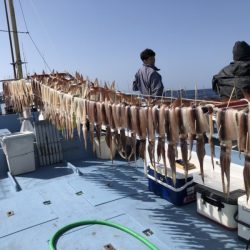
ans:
(201, 94)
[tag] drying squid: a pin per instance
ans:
(201, 129)
(151, 139)
(110, 127)
(191, 121)
(92, 118)
(183, 139)
(211, 132)
(226, 123)
(98, 122)
(84, 121)
(172, 137)
(242, 120)
(135, 123)
(143, 112)
(246, 175)
(123, 137)
(246, 170)
(161, 139)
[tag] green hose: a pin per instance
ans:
(57, 235)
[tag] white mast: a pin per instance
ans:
(18, 62)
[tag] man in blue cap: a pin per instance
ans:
(147, 80)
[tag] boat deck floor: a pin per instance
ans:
(52, 197)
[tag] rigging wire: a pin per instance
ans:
(32, 40)
(40, 53)
(23, 16)
(25, 63)
(19, 32)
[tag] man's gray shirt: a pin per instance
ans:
(148, 81)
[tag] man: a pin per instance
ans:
(234, 79)
(147, 79)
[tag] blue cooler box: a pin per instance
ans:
(180, 194)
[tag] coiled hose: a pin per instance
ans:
(57, 235)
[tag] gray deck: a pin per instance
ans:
(116, 192)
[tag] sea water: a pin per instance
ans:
(201, 94)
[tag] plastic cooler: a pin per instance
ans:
(182, 193)
(216, 206)
(105, 150)
(211, 201)
(19, 151)
(244, 218)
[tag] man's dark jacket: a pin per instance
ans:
(148, 81)
(236, 74)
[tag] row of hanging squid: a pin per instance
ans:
(233, 126)
(74, 102)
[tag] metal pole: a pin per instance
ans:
(16, 42)
(10, 39)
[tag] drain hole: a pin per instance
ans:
(109, 247)
(134, 178)
(10, 213)
(109, 184)
(79, 193)
(47, 202)
(148, 232)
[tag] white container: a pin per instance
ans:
(27, 126)
(211, 201)
(243, 218)
(215, 206)
(105, 150)
(4, 132)
(19, 151)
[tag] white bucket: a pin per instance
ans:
(105, 151)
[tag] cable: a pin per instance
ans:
(19, 32)
(23, 16)
(58, 234)
(25, 63)
(39, 52)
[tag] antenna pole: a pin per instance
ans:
(10, 39)
(18, 62)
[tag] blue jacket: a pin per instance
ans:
(148, 81)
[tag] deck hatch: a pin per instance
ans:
(107, 238)
(28, 210)
(103, 191)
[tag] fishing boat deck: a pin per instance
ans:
(54, 196)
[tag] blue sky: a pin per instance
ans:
(102, 39)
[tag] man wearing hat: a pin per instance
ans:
(234, 80)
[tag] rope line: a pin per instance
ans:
(20, 32)
(32, 40)
(23, 16)
(39, 52)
